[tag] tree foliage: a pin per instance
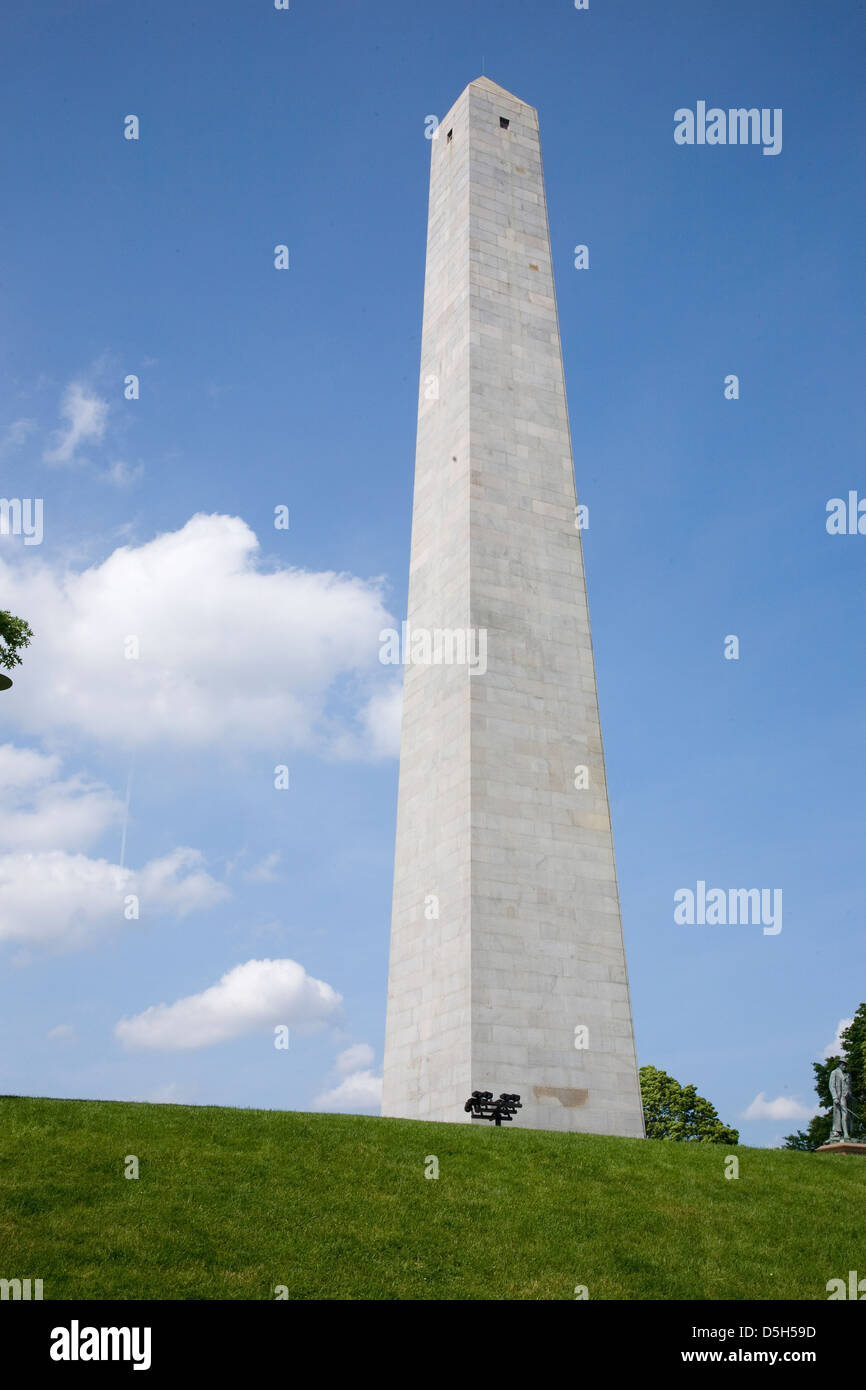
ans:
(673, 1111)
(14, 634)
(853, 1059)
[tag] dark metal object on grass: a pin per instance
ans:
(483, 1107)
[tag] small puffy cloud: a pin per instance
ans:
(52, 898)
(251, 998)
(265, 871)
(39, 810)
(177, 883)
(834, 1048)
(52, 894)
(361, 1090)
(381, 718)
(24, 767)
(170, 1094)
(122, 474)
(17, 435)
(85, 415)
(354, 1058)
(63, 1033)
(190, 641)
(782, 1108)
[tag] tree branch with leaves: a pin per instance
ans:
(15, 633)
(673, 1111)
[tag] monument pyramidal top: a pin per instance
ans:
(488, 85)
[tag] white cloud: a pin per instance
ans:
(40, 811)
(361, 1090)
(52, 898)
(63, 1033)
(177, 883)
(782, 1108)
(17, 434)
(24, 767)
(85, 415)
(834, 1048)
(265, 870)
(170, 1094)
(359, 1087)
(381, 718)
(251, 998)
(230, 654)
(354, 1058)
(122, 474)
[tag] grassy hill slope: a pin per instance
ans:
(232, 1203)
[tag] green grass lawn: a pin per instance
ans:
(232, 1203)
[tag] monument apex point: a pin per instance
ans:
(486, 85)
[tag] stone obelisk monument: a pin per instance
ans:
(507, 968)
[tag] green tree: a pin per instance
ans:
(801, 1138)
(854, 1048)
(854, 1061)
(14, 633)
(818, 1131)
(677, 1112)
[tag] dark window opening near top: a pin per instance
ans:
(503, 121)
(448, 137)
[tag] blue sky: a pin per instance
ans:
(258, 647)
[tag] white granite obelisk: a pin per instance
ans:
(507, 969)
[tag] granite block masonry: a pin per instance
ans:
(507, 967)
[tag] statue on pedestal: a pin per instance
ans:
(840, 1089)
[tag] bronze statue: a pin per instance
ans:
(840, 1089)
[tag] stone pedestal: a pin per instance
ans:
(843, 1146)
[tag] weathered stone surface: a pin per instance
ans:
(492, 833)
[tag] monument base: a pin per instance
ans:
(842, 1146)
